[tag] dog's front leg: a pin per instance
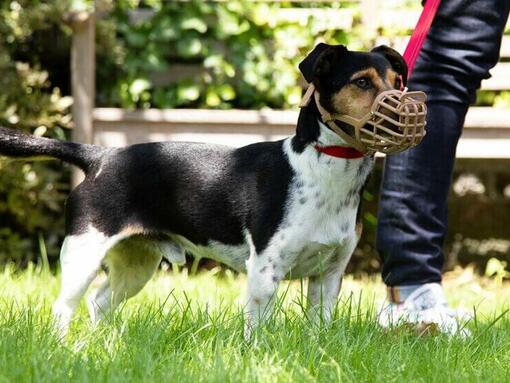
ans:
(323, 290)
(322, 295)
(263, 281)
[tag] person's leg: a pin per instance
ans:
(413, 206)
(462, 45)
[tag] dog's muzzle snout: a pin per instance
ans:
(396, 121)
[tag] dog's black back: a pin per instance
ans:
(202, 192)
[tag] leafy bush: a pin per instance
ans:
(242, 55)
(31, 193)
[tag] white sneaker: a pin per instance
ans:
(426, 310)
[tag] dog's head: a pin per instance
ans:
(348, 82)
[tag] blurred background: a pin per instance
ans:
(216, 71)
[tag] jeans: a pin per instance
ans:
(461, 47)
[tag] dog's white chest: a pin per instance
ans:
(319, 226)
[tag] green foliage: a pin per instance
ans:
(241, 54)
(497, 269)
(498, 99)
(31, 193)
(235, 54)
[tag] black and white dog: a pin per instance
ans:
(275, 210)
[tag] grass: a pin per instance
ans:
(189, 329)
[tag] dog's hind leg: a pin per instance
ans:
(131, 263)
(80, 257)
(99, 302)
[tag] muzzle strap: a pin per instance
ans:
(329, 120)
(305, 101)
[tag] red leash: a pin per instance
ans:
(420, 33)
(410, 55)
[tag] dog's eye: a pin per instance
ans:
(363, 83)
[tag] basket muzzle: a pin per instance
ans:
(396, 121)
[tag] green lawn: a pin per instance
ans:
(183, 329)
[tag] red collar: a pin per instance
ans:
(339, 151)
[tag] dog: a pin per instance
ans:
(277, 210)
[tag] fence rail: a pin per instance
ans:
(486, 135)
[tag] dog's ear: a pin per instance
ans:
(396, 60)
(319, 62)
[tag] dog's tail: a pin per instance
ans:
(14, 143)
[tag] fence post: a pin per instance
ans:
(83, 69)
